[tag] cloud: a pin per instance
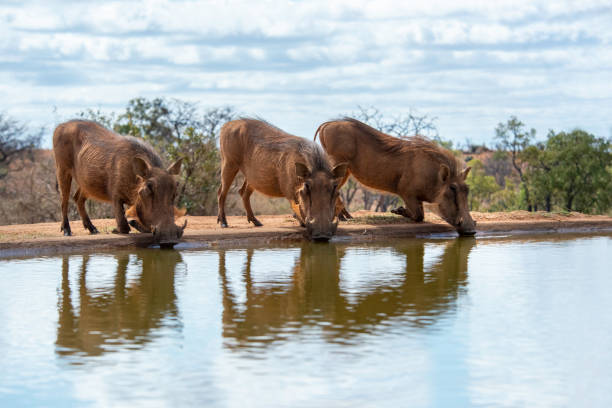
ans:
(470, 63)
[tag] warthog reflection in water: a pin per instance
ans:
(314, 295)
(125, 313)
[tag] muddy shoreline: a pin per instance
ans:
(202, 232)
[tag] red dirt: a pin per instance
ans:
(204, 231)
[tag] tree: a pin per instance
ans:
(506, 199)
(572, 171)
(481, 186)
(499, 166)
(580, 170)
(538, 175)
(15, 141)
(513, 138)
(402, 126)
(347, 193)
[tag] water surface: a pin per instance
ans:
(459, 322)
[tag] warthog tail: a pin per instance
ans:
(319, 130)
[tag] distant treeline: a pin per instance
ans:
(568, 172)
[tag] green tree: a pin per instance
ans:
(499, 166)
(580, 170)
(512, 137)
(506, 199)
(538, 176)
(482, 186)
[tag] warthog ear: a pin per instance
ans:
(175, 168)
(340, 170)
(465, 172)
(141, 167)
(301, 170)
(444, 173)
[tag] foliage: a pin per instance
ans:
(348, 191)
(482, 186)
(572, 170)
(15, 141)
(28, 193)
(499, 166)
(513, 137)
(507, 199)
(402, 126)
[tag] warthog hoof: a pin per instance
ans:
(256, 222)
(94, 231)
(405, 213)
(399, 211)
(299, 220)
(344, 215)
(66, 229)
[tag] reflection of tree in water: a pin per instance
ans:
(123, 315)
(314, 297)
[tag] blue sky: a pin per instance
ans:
(471, 64)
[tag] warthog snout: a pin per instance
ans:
(318, 231)
(466, 226)
(168, 236)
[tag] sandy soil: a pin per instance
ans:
(204, 231)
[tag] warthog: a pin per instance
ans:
(119, 169)
(278, 164)
(416, 169)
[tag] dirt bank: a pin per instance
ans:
(46, 238)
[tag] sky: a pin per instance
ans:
(469, 64)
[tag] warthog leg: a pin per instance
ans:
(245, 193)
(122, 225)
(80, 199)
(344, 215)
(227, 176)
(64, 179)
(296, 213)
(414, 210)
(341, 210)
(139, 227)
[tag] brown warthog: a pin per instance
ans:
(416, 169)
(278, 164)
(119, 169)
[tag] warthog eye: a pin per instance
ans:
(453, 187)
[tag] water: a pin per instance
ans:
(443, 323)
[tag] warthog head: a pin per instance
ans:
(316, 198)
(154, 204)
(452, 201)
